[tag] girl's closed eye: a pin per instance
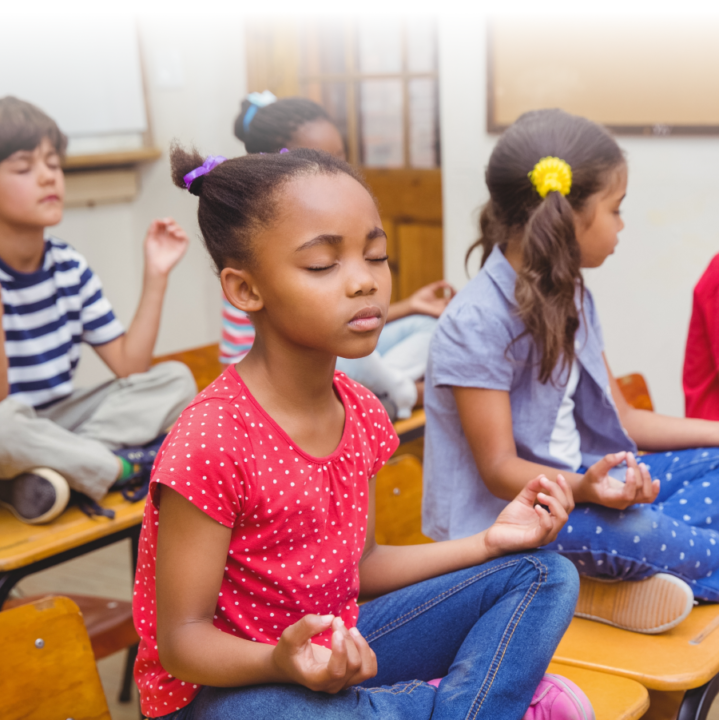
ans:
(320, 267)
(382, 259)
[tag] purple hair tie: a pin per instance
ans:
(211, 162)
(284, 150)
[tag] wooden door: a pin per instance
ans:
(377, 79)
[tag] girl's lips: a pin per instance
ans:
(367, 319)
(50, 198)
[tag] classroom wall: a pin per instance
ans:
(644, 291)
(195, 70)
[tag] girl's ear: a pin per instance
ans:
(240, 290)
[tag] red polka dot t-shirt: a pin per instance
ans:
(298, 522)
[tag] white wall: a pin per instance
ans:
(197, 103)
(644, 291)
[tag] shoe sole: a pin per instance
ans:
(62, 497)
(649, 606)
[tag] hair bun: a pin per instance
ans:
(195, 187)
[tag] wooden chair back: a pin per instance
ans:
(398, 502)
(635, 391)
(47, 668)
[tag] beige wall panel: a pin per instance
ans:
(621, 71)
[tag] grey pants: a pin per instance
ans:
(76, 435)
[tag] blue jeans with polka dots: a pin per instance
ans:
(675, 534)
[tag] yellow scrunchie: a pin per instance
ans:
(551, 174)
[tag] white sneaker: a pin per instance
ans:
(35, 497)
(649, 606)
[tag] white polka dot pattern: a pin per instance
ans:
(298, 522)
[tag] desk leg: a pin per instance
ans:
(127, 680)
(8, 580)
(698, 701)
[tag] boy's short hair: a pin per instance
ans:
(23, 126)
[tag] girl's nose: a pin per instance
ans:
(361, 280)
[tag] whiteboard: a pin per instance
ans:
(649, 74)
(85, 74)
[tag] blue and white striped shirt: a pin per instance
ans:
(47, 314)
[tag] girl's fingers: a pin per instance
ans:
(603, 466)
(555, 490)
(646, 483)
(369, 659)
(562, 482)
(630, 484)
(337, 665)
(545, 521)
(556, 508)
(528, 495)
(354, 661)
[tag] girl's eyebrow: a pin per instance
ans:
(328, 239)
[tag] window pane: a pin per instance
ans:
(423, 135)
(379, 45)
(421, 45)
(322, 48)
(334, 101)
(382, 132)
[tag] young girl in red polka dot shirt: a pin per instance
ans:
(258, 536)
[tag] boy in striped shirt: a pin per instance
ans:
(52, 436)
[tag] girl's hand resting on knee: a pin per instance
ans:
(350, 661)
(600, 488)
(524, 524)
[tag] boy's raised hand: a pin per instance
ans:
(165, 244)
(600, 488)
(524, 524)
(349, 662)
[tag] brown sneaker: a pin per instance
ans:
(649, 606)
(37, 496)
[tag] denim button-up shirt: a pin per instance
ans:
(472, 347)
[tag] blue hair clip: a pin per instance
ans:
(257, 100)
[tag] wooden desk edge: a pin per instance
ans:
(683, 681)
(104, 528)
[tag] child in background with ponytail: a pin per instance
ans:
(259, 530)
(518, 384)
(395, 370)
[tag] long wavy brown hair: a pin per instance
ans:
(550, 275)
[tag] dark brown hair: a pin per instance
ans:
(239, 196)
(23, 126)
(550, 274)
(272, 126)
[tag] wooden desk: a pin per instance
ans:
(27, 549)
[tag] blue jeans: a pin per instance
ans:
(398, 361)
(489, 631)
(672, 535)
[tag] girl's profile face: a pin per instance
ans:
(598, 225)
(321, 269)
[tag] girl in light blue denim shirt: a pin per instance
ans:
(518, 384)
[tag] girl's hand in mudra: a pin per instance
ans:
(524, 524)
(602, 489)
(351, 661)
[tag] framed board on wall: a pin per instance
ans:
(635, 74)
(86, 73)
